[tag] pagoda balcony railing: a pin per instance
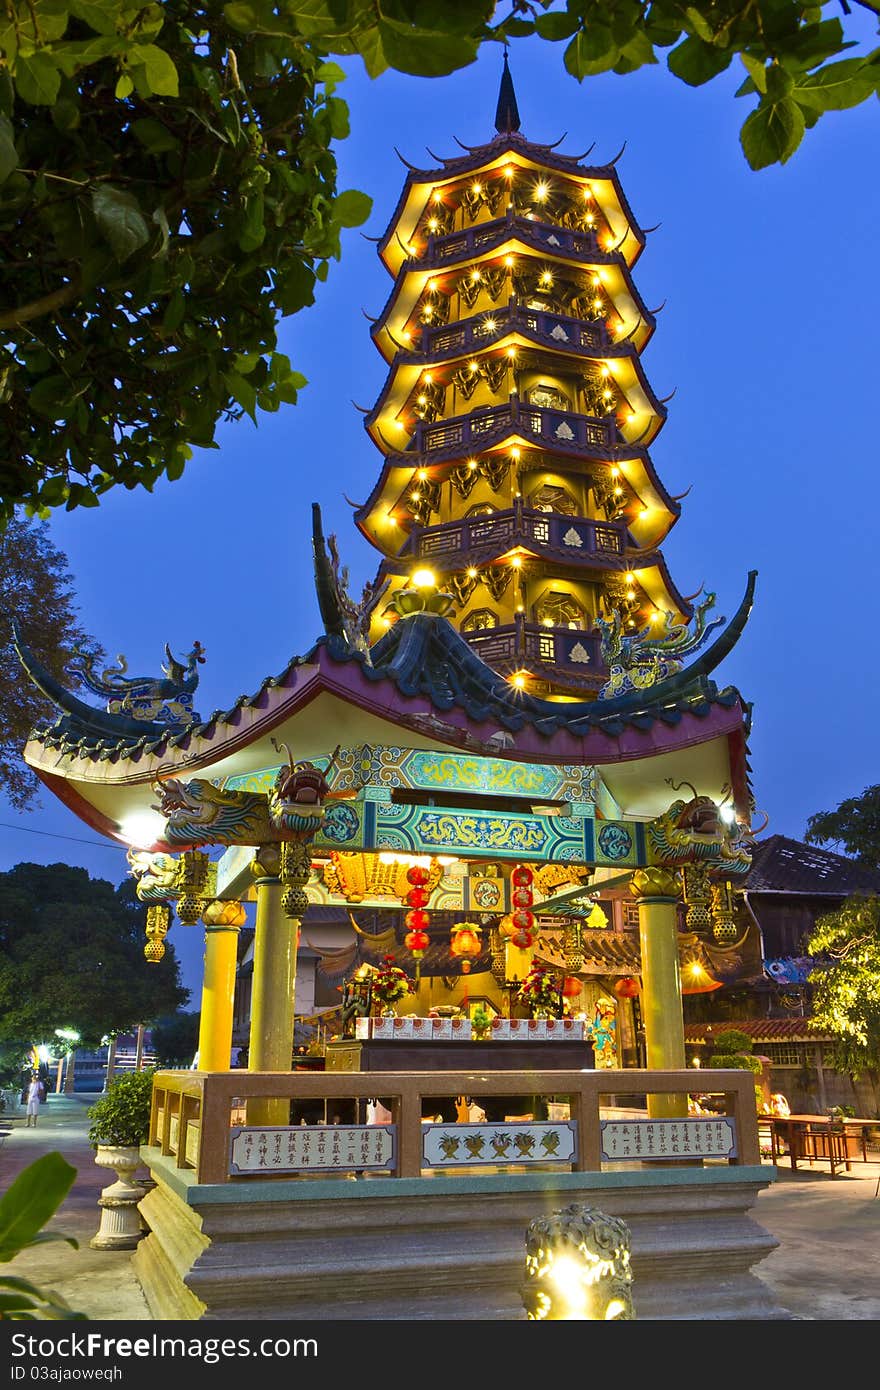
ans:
(572, 649)
(577, 535)
(485, 236)
(479, 428)
(556, 330)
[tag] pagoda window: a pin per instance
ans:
(479, 620)
(554, 499)
(548, 398)
(560, 610)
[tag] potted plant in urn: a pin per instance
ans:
(120, 1123)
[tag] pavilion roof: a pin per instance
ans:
(783, 865)
(766, 1030)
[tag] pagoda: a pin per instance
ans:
(520, 709)
(516, 415)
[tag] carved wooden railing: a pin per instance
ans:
(192, 1112)
(576, 535)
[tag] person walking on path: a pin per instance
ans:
(36, 1094)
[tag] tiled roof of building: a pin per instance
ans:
(760, 1030)
(783, 865)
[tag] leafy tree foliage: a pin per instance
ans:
(37, 589)
(846, 986)
(854, 827)
(72, 956)
(175, 1039)
(168, 191)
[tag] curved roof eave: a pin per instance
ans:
(494, 153)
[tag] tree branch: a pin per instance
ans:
(13, 318)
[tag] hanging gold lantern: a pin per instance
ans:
(295, 868)
(697, 892)
(724, 925)
(466, 944)
(496, 950)
(193, 881)
(158, 922)
(574, 948)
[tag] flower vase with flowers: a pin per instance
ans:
(389, 983)
(541, 994)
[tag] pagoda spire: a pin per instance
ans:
(506, 112)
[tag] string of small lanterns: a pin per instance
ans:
(416, 920)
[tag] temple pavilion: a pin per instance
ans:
(522, 602)
(518, 719)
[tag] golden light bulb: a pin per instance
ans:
(472, 573)
(472, 463)
(476, 188)
(541, 191)
(424, 579)
(515, 454)
(518, 680)
(490, 325)
(422, 473)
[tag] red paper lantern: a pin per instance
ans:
(571, 987)
(465, 943)
(417, 920)
(418, 897)
(522, 938)
(417, 942)
(522, 897)
(627, 987)
(417, 876)
(522, 876)
(523, 920)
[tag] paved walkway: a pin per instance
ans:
(827, 1265)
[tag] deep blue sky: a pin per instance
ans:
(768, 335)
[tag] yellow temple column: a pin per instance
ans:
(222, 922)
(274, 979)
(657, 892)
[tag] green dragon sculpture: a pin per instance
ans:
(694, 831)
(655, 652)
(198, 812)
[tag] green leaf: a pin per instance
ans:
(755, 68)
(579, 55)
(699, 24)
(158, 69)
(838, 86)
(154, 136)
(124, 87)
(31, 1200)
(557, 26)
(696, 62)
(242, 391)
(424, 52)
(369, 46)
(120, 220)
(351, 208)
(102, 17)
(37, 78)
(772, 133)
(8, 155)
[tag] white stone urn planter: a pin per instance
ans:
(121, 1226)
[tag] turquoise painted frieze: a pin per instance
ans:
(423, 770)
(426, 830)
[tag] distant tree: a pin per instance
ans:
(168, 187)
(846, 987)
(175, 1039)
(72, 956)
(36, 587)
(853, 828)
